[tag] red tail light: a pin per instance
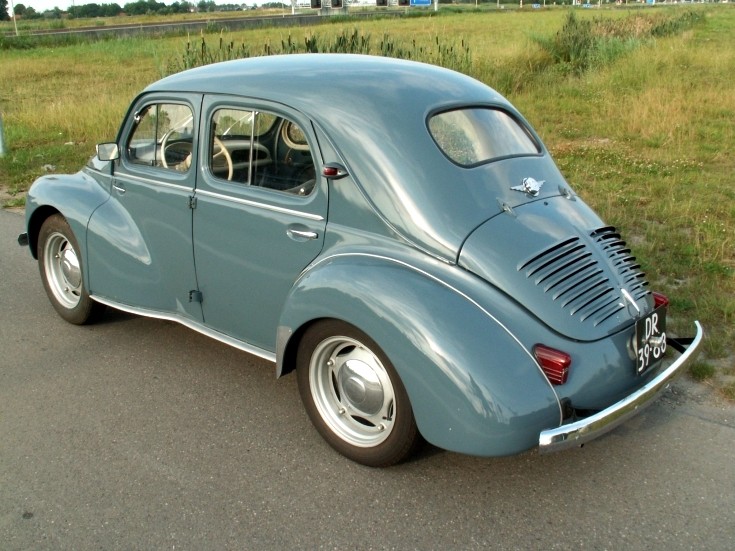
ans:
(660, 300)
(554, 363)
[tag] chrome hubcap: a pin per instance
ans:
(63, 273)
(70, 268)
(352, 391)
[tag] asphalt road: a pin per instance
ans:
(141, 434)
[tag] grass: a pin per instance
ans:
(644, 133)
(701, 371)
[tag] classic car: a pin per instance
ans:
(394, 232)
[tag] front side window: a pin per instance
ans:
(260, 149)
(474, 136)
(162, 137)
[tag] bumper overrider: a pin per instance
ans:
(589, 428)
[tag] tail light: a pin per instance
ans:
(660, 300)
(554, 363)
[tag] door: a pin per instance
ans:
(140, 241)
(260, 214)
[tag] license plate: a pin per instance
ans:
(650, 339)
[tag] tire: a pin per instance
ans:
(60, 265)
(354, 396)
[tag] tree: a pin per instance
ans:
(31, 13)
(4, 10)
(207, 5)
(19, 10)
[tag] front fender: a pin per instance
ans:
(473, 388)
(75, 196)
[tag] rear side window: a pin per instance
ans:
(474, 136)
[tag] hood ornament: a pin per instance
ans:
(530, 186)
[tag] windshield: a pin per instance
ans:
(474, 136)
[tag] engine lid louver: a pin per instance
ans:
(572, 276)
(560, 262)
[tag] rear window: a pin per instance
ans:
(479, 135)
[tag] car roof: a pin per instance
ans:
(375, 112)
(308, 80)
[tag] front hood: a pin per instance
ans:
(557, 259)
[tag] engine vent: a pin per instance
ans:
(571, 274)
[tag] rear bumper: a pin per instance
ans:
(589, 428)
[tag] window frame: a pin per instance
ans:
(526, 130)
(134, 125)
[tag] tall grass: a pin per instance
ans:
(437, 51)
(584, 43)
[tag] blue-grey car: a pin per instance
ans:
(395, 233)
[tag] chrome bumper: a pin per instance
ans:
(589, 428)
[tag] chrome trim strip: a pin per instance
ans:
(187, 189)
(257, 204)
(191, 324)
(579, 432)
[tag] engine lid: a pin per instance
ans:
(557, 259)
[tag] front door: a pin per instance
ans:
(260, 214)
(140, 242)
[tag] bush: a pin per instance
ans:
(583, 44)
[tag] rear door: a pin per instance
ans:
(260, 213)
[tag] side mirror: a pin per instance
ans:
(108, 151)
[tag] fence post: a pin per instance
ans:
(2, 137)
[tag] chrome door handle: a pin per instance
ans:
(301, 235)
(118, 188)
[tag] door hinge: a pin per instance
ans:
(192, 202)
(195, 296)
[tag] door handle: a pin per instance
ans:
(301, 235)
(118, 187)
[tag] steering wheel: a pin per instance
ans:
(183, 146)
(164, 143)
(223, 153)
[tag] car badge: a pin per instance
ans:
(627, 301)
(530, 186)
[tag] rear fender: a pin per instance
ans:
(473, 388)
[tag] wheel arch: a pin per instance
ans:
(473, 387)
(35, 221)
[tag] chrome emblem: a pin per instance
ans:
(628, 300)
(530, 186)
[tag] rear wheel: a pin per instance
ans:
(61, 271)
(354, 396)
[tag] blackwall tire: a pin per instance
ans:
(60, 264)
(354, 396)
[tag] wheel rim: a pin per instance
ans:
(352, 391)
(63, 273)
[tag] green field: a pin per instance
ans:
(644, 131)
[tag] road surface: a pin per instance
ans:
(141, 434)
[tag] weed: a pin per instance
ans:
(437, 52)
(701, 371)
(728, 391)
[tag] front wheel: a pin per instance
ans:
(61, 271)
(354, 396)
